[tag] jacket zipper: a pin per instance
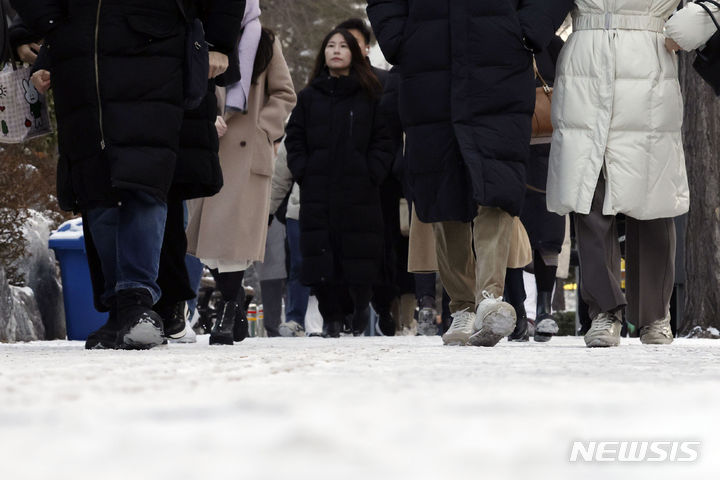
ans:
(97, 76)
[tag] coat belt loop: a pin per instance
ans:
(608, 20)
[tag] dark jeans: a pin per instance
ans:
(272, 292)
(297, 293)
(128, 240)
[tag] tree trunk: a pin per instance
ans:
(701, 134)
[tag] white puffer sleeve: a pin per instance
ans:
(692, 27)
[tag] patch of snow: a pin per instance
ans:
(352, 408)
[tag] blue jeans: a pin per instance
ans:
(128, 239)
(297, 293)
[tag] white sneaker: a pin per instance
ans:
(494, 320)
(461, 329)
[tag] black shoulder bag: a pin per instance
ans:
(707, 62)
(197, 61)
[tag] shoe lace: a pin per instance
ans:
(489, 296)
(659, 327)
(603, 321)
(462, 319)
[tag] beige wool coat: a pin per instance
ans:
(231, 227)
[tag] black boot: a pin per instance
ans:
(333, 327)
(222, 331)
(241, 329)
(360, 321)
(520, 334)
(142, 327)
(545, 324)
(105, 337)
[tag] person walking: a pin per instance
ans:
(114, 69)
(339, 152)
(228, 231)
(283, 184)
(468, 127)
(617, 149)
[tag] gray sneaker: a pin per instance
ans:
(494, 320)
(657, 333)
(604, 331)
(461, 329)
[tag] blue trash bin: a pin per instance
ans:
(81, 318)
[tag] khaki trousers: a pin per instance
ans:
(473, 257)
(650, 263)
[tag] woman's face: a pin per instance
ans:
(338, 56)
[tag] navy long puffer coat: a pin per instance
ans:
(117, 78)
(466, 96)
(339, 152)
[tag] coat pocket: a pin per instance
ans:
(262, 156)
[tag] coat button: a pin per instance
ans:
(243, 143)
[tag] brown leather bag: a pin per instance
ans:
(542, 125)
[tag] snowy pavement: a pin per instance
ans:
(352, 408)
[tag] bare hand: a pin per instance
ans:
(671, 45)
(41, 81)
(220, 126)
(218, 64)
(28, 52)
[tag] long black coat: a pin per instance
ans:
(466, 96)
(339, 152)
(117, 76)
(545, 229)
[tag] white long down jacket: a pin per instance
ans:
(617, 109)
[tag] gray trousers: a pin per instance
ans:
(650, 263)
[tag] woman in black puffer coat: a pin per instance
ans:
(339, 152)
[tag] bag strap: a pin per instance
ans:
(546, 87)
(702, 5)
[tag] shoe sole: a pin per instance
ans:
(456, 339)
(658, 341)
(143, 336)
(602, 342)
(178, 335)
(542, 337)
(496, 326)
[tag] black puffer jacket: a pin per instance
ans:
(466, 96)
(117, 76)
(339, 152)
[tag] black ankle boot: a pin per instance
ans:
(520, 334)
(333, 328)
(241, 329)
(360, 321)
(545, 325)
(222, 331)
(141, 327)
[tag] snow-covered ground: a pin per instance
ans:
(352, 408)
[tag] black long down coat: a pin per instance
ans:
(545, 229)
(117, 77)
(339, 152)
(466, 96)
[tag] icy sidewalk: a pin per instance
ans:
(352, 408)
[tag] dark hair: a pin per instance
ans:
(264, 53)
(358, 64)
(359, 25)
